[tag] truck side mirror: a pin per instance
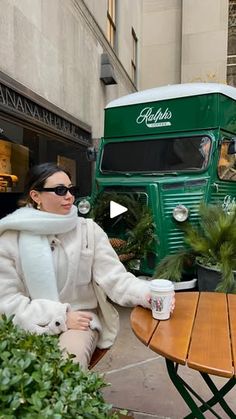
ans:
(91, 154)
(232, 147)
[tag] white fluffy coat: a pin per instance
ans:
(93, 272)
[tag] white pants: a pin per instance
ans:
(80, 343)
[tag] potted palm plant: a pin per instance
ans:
(210, 250)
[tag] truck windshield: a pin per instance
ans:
(158, 155)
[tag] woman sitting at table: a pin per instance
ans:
(57, 269)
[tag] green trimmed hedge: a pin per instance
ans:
(37, 383)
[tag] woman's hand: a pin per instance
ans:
(149, 300)
(79, 320)
(172, 303)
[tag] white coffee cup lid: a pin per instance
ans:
(161, 285)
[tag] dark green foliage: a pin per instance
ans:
(135, 226)
(172, 267)
(212, 243)
(37, 383)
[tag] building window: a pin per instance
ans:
(111, 19)
(134, 57)
(231, 59)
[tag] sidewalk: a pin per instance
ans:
(140, 383)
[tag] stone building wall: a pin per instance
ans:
(54, 48)
(184, 41)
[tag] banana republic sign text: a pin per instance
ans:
(9, 99)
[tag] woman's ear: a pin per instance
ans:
(35, 196)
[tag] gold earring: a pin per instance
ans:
(39, 206)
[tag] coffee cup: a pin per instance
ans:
(162, 291)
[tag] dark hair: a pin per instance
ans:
(36, 178)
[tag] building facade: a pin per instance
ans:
(61, 61)
(188, 41)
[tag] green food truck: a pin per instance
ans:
(169, 148)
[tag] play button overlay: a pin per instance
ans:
(116, 209)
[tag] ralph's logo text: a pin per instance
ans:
(153, 118)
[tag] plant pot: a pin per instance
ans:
(208, 278)
(185, 285)
(189, 285)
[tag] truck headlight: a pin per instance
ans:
(84, 206)
(180, 213)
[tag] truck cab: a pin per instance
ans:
(170, 148)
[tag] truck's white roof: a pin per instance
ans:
(173, 91)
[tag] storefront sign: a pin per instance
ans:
(14, 101)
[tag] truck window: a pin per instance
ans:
(227, 163)
(157, 155)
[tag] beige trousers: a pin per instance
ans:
(80, 343)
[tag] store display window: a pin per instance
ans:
(14, 164)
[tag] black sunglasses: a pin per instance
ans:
(60, 190)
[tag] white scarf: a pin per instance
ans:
(34, 248)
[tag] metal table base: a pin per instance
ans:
(186, 392)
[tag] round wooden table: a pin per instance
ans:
(201, 334)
